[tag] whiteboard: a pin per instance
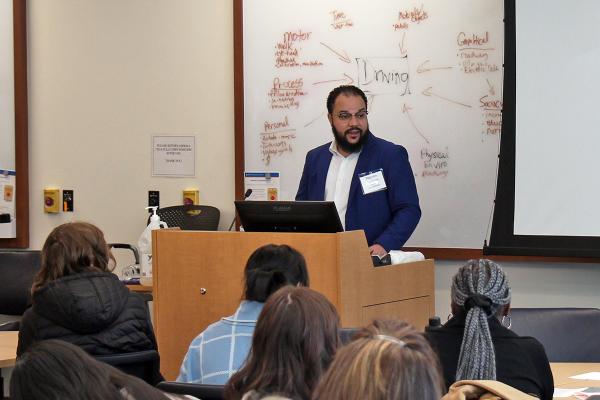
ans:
(432, 72)
(7, 87)
(559, 168)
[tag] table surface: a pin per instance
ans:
(140, 288)
(8, 348)
(562, 372)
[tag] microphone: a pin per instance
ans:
(246, 195)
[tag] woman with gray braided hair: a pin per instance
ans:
(477, 343)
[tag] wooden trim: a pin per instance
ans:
(21, 129)
(238, 85)
(467, 254)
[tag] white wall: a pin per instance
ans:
(106, 75)
(533, 284)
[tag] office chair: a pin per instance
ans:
(191, 218)
(143, 364)
(568, 334)
(201, 391)
(17, 269)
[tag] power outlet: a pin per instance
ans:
(153, 198)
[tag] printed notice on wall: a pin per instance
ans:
(174, 156)
(264, 185)
(7, 204)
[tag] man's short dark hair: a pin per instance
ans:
(344, 89)
(271, 267)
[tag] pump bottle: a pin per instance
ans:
(145, 247)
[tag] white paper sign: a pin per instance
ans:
(174, 156)
(264, 185)
(588, 376)
(7, 204)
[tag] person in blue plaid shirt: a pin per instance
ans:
(218, 352)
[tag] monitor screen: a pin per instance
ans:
(289, 216)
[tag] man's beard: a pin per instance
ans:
(344, 144)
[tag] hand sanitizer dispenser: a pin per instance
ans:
(145, 247)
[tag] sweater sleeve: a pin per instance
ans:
(26, 333)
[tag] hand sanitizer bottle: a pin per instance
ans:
(145, 247)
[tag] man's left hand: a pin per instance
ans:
(377, 250)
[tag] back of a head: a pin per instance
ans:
(57, 370)
(481, 288)
(296, 337)
(387, 360)
(72, 248)
(271, 267)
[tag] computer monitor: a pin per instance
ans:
(289, 216)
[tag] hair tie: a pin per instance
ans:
(481, 301)
(392, 339)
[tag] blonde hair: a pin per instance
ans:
(387, 360)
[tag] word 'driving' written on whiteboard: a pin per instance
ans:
(432, 72)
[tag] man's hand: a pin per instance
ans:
(377, 250)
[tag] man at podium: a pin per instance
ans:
(369, 179)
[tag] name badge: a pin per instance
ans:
(372, 181)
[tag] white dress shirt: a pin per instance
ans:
(339, 178)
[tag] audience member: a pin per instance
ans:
(475, 345)
(296, 337)
(387, 360)
(218, 352)
(56, 370)
(76, 298)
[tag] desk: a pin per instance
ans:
(140, 288)
(8, 348)
(562, 372)
(8, 353)
(198, 278)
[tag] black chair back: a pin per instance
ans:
(143, 364)
(191, 218)
(201, 391)
(17, 269)
(346, 334)
(568, 334)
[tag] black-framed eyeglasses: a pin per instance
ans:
(346, 116)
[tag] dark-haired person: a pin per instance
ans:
(54, 369)
(475, 345)
(387, 360)
(296, 337)
(77, 299)
(218, 352)
(369, 179)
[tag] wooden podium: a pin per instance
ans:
(198, 279)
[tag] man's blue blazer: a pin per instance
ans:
(388, 217)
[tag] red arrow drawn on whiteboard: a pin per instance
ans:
(314, 120)
(428, 92)
(422, 68)
(343, 57)
(348, 79)
(492, 90)
(401, 44)
(405, 110)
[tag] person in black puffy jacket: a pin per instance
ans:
(77, 299)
